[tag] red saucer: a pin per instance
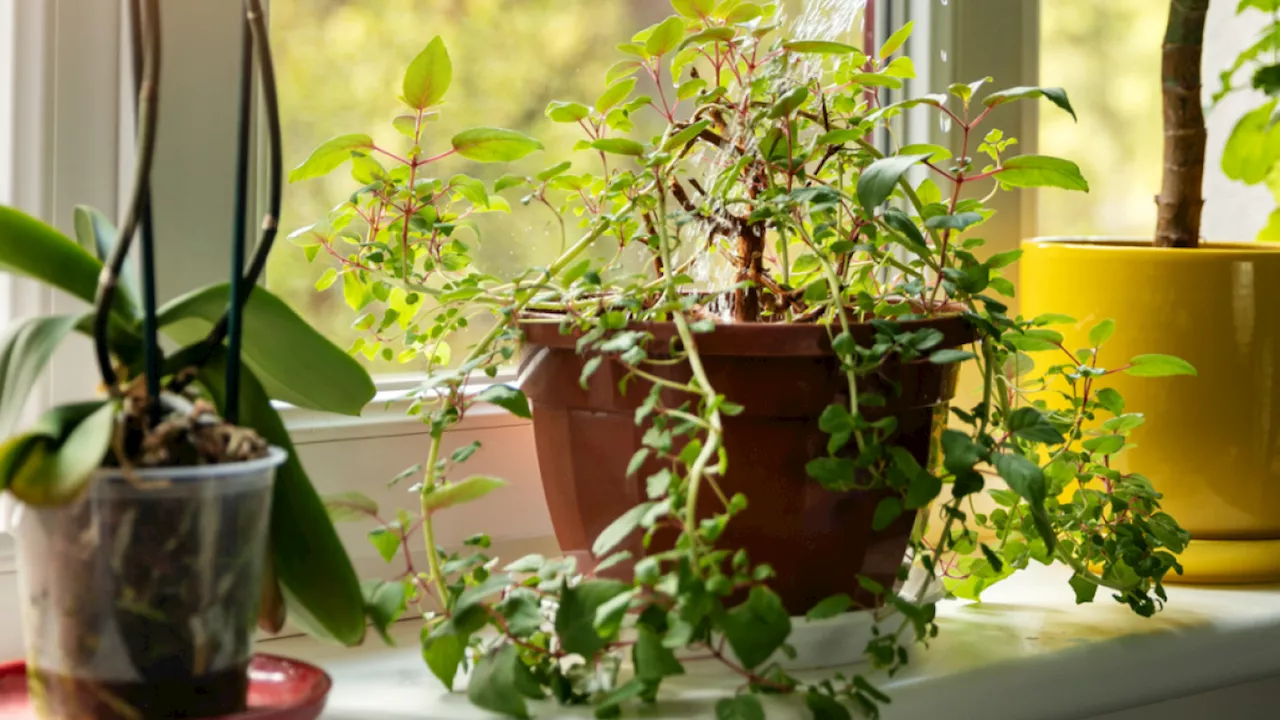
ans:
(279, 689)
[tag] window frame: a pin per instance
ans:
(63, 59)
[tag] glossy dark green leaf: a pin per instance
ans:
(330, 156)
(1029, 423)
(1027, 479)
(881, 177)
(493, 684)
(950, 355)
(887, 510)
(575, 621)
(1055, 95)
(316, 577)
(31, 248)
(825, 707)
(488, 144)
(1084, 589)
(294, 362)
(97, 235)
(24, 353)
(384, 602)
(757, 627)
(428, 77)
(652, 660)
(740, 707)
(443, 649)
(52, 464)
(507, 398)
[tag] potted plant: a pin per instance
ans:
(1210, 303)
(146, 522)
(738, 432)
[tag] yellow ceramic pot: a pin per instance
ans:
(1211, 443)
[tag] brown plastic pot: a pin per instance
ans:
(817, 541)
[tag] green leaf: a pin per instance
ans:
(384, 602)
(522, 612)
(757, 627)
(443, 649)
(832, 473)
(1084, 589)
(665, 37)
(355, 292)
(789, 102)
(1253, 148)
(825, 707)
(32, 248)
(493, 684)
(1104, 445)
(695, 9)
(615, 94)
(950, 355)
(1027, 479)
(1159, 366)
(830, 607)
(316, 577)
(1026, 171)
(428, 76)
(1055, 95)
(567, 112)
(896, 41)
(652, 660)
(887, 510)
(619, 529)
(294, 362)
(881, 177)
(25, 351)
(459, 493)
(958, 222)
(1110, 399)
(387, 542)
(575, 621)
(348, 506)
(619, 146)
(508, 398)
(97, 235)
(330, 156)
(1029, 423)
(52, 464)
(711, 34)
(488, 144)
(819, 47)
(1102, 332)
(740, 707)
(937, 153)
(475, 594)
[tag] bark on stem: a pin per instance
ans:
(1181, 200)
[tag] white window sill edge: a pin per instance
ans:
(1028, 652)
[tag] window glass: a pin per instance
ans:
(1107, 55)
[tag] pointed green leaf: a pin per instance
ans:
(757, 627)
(819, 47)
(695, 9)
(458, 493)
(575, 620)
(665, 37)
(487, 144)
(349, 506)
(384, 602)
(1159, 366)
(619, 529)
(428, 76)
(740, 707)
(493, 684)
(508, 398)
(1102, 332)
(54, 469)
(97, 235)
(32, 248)
(619, 146)
(879, 179)
(443, 649)
(24, 353)
(896, 41)
(330, 156)
(567, 112)
(1055, 95)
(1042, 171)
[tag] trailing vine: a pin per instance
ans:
(759, 198)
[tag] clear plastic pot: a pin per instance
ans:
(139, 599)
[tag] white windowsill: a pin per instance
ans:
(1027, 653)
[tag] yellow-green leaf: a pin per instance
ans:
(428, 76)
(471, 489)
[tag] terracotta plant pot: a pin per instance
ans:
(817, 541)
(1209, 442)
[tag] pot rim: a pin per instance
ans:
(1135, 245)
(274, 458)
(758, 339)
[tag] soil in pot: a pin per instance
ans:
(817, 541)
(140, 597)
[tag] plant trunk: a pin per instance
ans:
(1180, 200)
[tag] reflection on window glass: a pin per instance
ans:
(1107, 55)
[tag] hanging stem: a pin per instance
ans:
(1181, 201)
(145, 158)
(235, 330)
